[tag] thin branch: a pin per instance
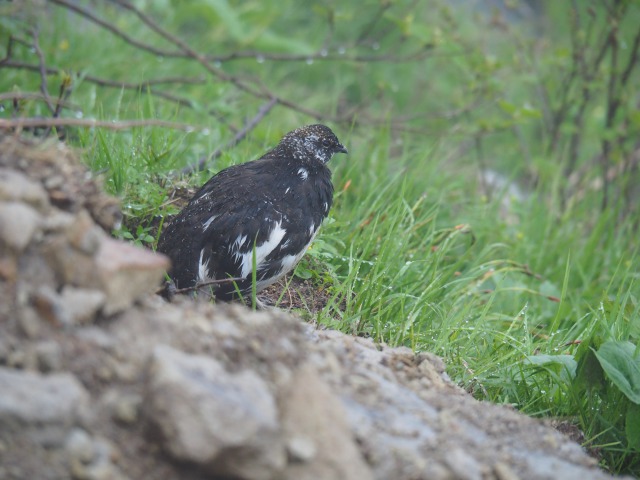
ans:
(166, 289)
(140, 86)
(105, 82)
(31, 122)
(633, 58)
(42, 68)
(250, 125)
(373, 21)
(612, 106)
(322, 55)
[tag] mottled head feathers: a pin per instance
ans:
(311, 141)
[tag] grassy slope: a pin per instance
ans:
(414, 250)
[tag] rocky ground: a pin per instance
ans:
(102, 379)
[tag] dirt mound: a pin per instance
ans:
(101, 379)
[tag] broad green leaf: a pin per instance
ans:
(564, 365)
(632, 426)
(621, 363)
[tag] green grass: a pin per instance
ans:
(533, 304)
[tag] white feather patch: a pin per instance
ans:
(234, 248)
(206, 224)
(287, 264)
(203, 268)
(263, 250)
(303, 172)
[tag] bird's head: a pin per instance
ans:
(313, 141)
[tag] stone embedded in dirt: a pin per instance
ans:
(91, 458)
(29, 398)
(123, 407)
(18, 224)
(17, 187)
(127, 272)
(225, 422)
(49, 356)
(320, 443)
(69, 185)
(82, 304)
(84, 235)
(72, 306)
(48, 304)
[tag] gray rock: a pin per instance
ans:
(17, 187)
(127, 272)
(80, 447)
(315, 423)
(225, 422)
(28, 321)
(58, 221)
(49, 356)
(49, 305)
(84, 235)
(18, 224)
(72, 266)
(123, 407)
(82, 304)
(91, 459)
(30, 398)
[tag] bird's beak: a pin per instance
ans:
(341, 148)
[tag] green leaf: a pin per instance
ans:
(632, 426)
(303, 273)
(622, 365)
(564, 365)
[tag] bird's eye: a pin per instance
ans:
(326, 142)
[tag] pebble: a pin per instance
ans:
(31, 398)
(49, 355)
(301, 449)
(17, 187)
(82, 304)
(18, 224)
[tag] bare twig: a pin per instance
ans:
(588, 73)
(42, 69)
(106, 82)
(165, 289)
(250, 125)
(612, 106)
(136, 86)
(323, 55)
(633, 59)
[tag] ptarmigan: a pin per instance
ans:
(274, 204)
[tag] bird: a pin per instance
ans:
(270, 208)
